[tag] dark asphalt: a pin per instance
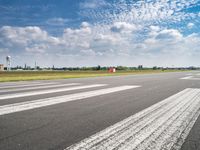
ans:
(59, 126)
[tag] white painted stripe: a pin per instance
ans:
(164, 125)
(24, 94)
(41, 87)
(190, 78)
(12, 108)
(185, 78)
(25, 85)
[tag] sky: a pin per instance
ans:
(70, 33)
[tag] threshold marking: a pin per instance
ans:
(41, 87)
(164, 125)
(24, 94)
(17, 107)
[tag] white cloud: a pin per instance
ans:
(130, 31)
(88, 40)
(145, 13)
(27, 40)
(190, 25)
(88, 52)
(109, 38)
(85, 25)
(93, 4)
(169, 35)
(77, 38)
(154, 28)
(21, 36)
(35, 40)
(57, 21)
(170, 43)
(37, 48)
(123, 27)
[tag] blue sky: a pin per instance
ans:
(100, 32)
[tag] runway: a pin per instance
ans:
(154, 112)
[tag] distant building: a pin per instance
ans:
(112, 69)
(1, 67)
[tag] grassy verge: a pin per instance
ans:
(49, 75)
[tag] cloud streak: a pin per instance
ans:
(143, 12)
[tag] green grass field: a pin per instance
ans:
(49, 75)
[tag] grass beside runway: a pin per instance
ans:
(49, 75)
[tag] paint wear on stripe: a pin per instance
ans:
(164, 125)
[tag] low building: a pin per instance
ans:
(1, 67)
(112, 69)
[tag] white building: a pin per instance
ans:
(1, 67)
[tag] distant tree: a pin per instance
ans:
(38, 67)
(122, 68)
(155, 68)
(98, 67)
(104, 68)
(140, 67)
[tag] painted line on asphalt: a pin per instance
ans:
(190, 78)
(17, 107)
(186, 78)
(40, 87)
(24, 94)
(26, 85)
(164, 125)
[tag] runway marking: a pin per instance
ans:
(26, 85)
(190, 78)
(41, 87)
(17, 107)
(185, 78)
(164, 125)
(24, 94)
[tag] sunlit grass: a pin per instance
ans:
(49, 75)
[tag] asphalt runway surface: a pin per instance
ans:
(154, 111)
